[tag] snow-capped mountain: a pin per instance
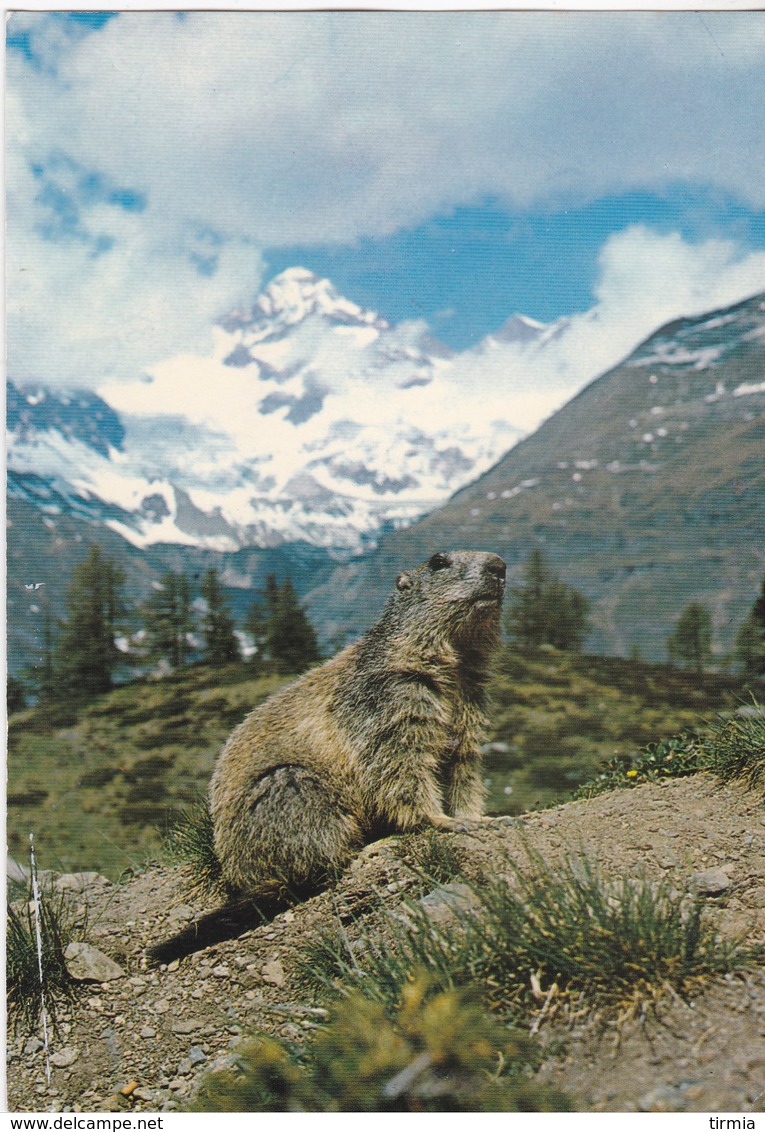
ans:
(646, 491)
(310, 419)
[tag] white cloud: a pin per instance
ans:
(645, 280)
(269, 129)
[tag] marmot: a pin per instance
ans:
(382, 738)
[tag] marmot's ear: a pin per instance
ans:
(403, 582)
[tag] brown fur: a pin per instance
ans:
(383, 737)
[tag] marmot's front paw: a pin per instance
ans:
(443, 821)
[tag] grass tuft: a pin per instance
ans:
(431, 855)
(570, 932)
(190, 843)
(736, 747)
(59, 926)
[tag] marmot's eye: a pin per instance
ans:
(439, 562)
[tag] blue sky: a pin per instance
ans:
(465, 271)
(448, 167)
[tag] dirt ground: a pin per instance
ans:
(141, 1042)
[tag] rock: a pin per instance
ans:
(186, 1026)
(448, 901)
(181, 912)
(32, 1045)
(87, 964)
(273, 973)
(197, 1056)
(221, 971)
(161, 1006)
(79, 882)
(711, 882)
(147, 1032)
(16, 872)
(64, 1057)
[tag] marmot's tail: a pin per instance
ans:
(226, 922)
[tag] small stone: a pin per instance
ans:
(273, 973)
(711, 882)
(87, 964)
(32, 1045)
(197, 1056)
(64, 1057)
(174, 965)
(176, 1084)
(186, 1026)
(143, 1094)
(161, 1006)
(79, 882)
(181, 912)
(147, 1032)
(221, 972)
(662, 1098)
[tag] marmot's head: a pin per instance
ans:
(455, 593)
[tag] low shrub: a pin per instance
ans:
(437, 1051)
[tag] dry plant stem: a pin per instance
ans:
(38, 933)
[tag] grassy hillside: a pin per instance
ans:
(98, 784)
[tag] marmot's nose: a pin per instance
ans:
(495, 566)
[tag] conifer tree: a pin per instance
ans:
(546, 611)
(281, 630)
(291, 640)
(220, 643)
(86, 654)
(690, 643)
(261, 615)
(169, 619)
(750, 640)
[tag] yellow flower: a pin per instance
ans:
(631, 774)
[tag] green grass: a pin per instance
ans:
(731, 746)
(580, 936)
(59, 926)
(100, 782)
(101, 789)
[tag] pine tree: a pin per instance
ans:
(546, 611)
(86, 654)
(691, 641)
(220, 643)
(750, 640)
(291, 641)
(169, 619)
(282, 633)
(260, 616)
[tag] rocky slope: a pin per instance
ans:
(646, 492)
(143, 1040)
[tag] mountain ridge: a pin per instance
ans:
(646, 491)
